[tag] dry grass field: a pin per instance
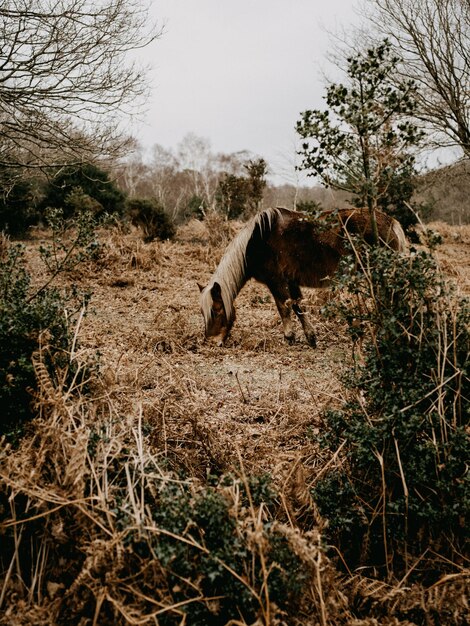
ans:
(256, 397)
(251, 407)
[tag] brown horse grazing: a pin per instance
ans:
(285, 250)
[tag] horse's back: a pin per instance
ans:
(329, 226)
(296, 248)
(306, 249)
(389, 230)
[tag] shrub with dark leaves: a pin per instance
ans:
(151, 217)
(403, 488)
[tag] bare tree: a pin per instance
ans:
(204, 168)
(163, 172)
(133, 172)
(434, 40)
(196, 158)
(66, 77)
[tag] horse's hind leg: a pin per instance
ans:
(303, 316)
(283, 302)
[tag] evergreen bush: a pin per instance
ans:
(218, 555)
(403, 490)
(36, 322)
(18, 199)
(311, 207)
(151, 217)
(73, 241)
(196, 207)
(28, 323)
(95, 185)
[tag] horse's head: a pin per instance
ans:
(217, 324)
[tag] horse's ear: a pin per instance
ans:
(216, 292)
(201, 288)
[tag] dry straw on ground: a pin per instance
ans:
(164, 404)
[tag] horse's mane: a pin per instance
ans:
(231, 271)
(399, 233)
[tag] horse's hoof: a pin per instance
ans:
(312, 341)
(290, 339)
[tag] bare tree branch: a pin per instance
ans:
(433, 37)
(66, 78)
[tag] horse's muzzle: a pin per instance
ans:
(217, 340)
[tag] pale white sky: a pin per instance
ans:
(239, 72)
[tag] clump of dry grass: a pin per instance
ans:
(214, 230)
(450, 233)
(220, 230)
(127, 250)
(87, 526)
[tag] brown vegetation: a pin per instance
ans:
(163, 401)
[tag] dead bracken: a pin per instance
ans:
(88, 534)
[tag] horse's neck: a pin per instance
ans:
(231, 283)
(231, 271)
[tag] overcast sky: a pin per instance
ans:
(239, 72)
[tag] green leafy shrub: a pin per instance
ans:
(73, 241)
(403, 487)
(309, 206)
(214, 562)
(25, 324)
(153, 544)
(196, 207)
(363, 143)
(397, 198)
(95, 186)
(232, 195)
(151, 217)
(238, 196)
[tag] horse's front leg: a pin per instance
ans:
(303, 316)
(283, 302)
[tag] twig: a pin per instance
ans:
(240, 388)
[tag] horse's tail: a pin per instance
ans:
(401, 242)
